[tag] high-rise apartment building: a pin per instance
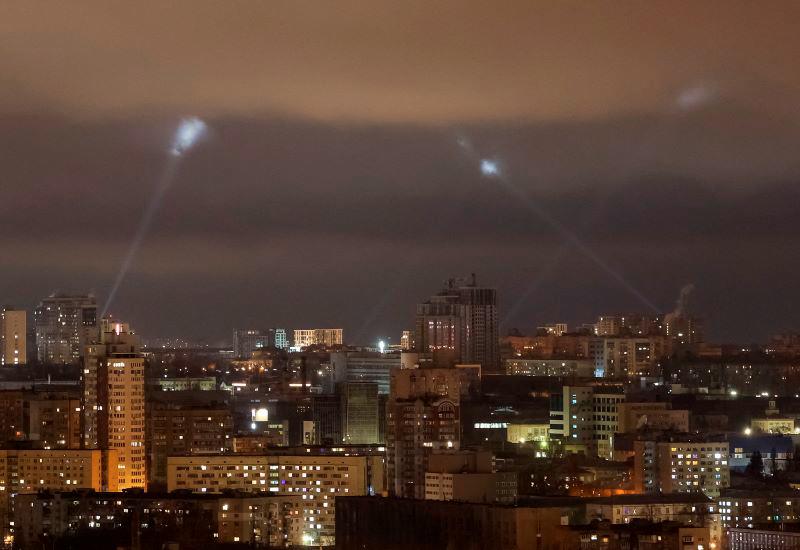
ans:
(64, 326)
(459, 325)
(13, 336)
(423, 414)
(191, 427)
(114, 400)
(246, 341)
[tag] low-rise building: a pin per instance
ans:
(746, 508)
(583, 419)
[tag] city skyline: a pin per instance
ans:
(394, 338)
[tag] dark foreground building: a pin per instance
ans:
(398, 524)
(543, 524)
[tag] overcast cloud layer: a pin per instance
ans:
(332, 190)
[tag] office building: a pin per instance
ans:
(13, 336)
(423, 414)
(64, 325)
(280, 339)
(359, 412)
(114, 400)
(583, 419)
(317, 479)
(459, 325)
(365, 367)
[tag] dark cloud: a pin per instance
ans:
(332, 188)
(385, 61)
(292, 222)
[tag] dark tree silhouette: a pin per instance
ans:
(756, 466)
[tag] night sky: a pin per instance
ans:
(331, 189)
